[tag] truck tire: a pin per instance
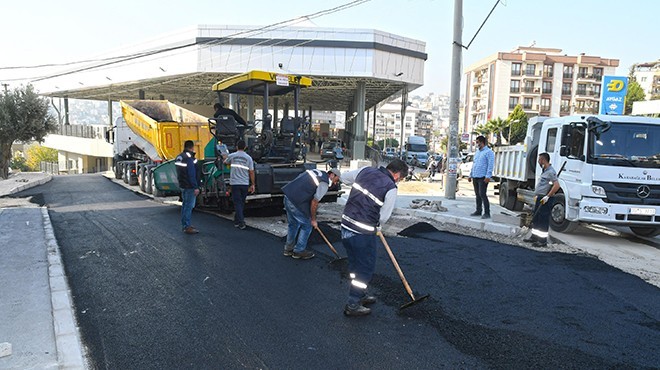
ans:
(558, 221)
(648, 232)
(118, 171)
(126, 174)
(154, 189)
(507, 200)
(132, 180)
(531, 160)
(141, 179)
(147, 181)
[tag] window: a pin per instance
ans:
(583, 72)
(527, 103)
(515, 69)
(545, 104)
(529, 86)
(547, 70)
(515, 86)
(552, 139)
(566, 89)
(530, 69)
(565, 105)
(547, 87)
(643, 79)
(582, 89)
(598, 73)
(596, 90)
(513, 101)
(568, 71)
(576, 141)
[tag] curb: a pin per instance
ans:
(67, 335)
(31, 184)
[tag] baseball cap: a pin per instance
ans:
(336, 172)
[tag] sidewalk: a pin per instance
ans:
(37, 329)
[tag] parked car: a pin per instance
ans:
(389, 153)
(328, 149)
(465, 166)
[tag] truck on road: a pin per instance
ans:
(150, 134)
(611, 170)
(416, 151)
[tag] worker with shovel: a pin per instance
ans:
(369, 205)
(301, 199)
(545, 190)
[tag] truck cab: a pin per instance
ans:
(610, 170)
(416, 149)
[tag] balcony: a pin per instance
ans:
(534, 107)
(516, 72)
(565, 92)
(532, 90)
(512, 106)
(534, 74)
(545, 109)
(546, 91)
(548, 74)
(567, 75)
(514, 90)
(564, 109)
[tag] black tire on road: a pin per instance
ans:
(558, 221)
(648, 232)
(507, 200)
(154, 189)
(147, 180)
(141, 179)
(118, 171)
(126, 173)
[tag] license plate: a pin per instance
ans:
(642, 211)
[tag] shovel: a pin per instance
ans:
(403, 278)
(331, 247)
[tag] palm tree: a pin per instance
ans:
(497, 126)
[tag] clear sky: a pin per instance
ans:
(69, 30)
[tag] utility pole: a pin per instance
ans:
(454, 101)
(5, 86)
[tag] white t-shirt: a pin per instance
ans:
(241, 165)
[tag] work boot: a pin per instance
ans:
(356, 310)
(190, 230)
(475, 213)
(305, 255)
(531, 239)
(541, 243)
(288, 250)
(485, 216)
(367, 299)
(241, 226)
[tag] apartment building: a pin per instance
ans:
(388, 122)
(542, 80)
(648, 77)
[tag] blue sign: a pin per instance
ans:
(614, 95)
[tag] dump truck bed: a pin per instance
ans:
(166, 126)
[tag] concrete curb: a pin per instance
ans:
(30, 184)
(70, 353)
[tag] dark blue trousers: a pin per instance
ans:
(238, 195)
(361, 250)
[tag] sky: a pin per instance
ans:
(72, 30)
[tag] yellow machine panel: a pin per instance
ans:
(166, 126)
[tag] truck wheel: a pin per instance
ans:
(147, 180)
(648, 232)
(126, 172)
(141, 179)
(118, 171)
(507, 200)
(532, 160)
(154, 189)
(558, 221)
(518, 205)
(132, 180)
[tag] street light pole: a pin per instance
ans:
(454, 101)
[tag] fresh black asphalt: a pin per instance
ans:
(148, 296)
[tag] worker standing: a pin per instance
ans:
(301, 199)
(369, 205)
(547, 187)
(186, 173)
(480, 175)
(241, 180)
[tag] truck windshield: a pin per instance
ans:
(416, 147)
(626, 144)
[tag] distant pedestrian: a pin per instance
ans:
(482, 171)
(186, 172)
(241, 180)
(320, 142)
(301, 199)
(369, 205)
(547, 187)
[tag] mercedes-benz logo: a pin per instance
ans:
(643, 191)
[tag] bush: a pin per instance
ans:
(19, 163)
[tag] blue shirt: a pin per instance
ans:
(484, 160)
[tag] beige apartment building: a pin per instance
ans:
(648, 77)
(542, 80)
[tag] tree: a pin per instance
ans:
(23, 116)
(634, 93)
(37, 154)
(388, 143)
(518, 126)
(497, 126)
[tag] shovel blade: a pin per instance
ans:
(414, 302)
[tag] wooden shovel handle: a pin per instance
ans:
(396, 266)
(328, 242)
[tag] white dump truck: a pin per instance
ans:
(611, 170)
